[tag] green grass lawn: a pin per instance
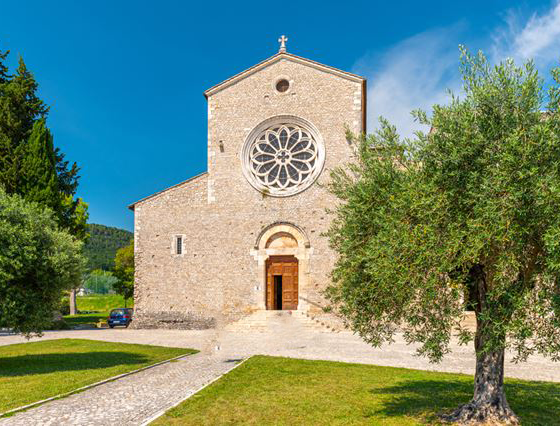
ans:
(34, 371)
(102, 302)
(271, 390)
(100, 305)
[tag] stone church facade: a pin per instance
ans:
(247, 234)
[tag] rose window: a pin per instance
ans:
(283, 159)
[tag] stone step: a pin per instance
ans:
(262, 320)
(265, 320)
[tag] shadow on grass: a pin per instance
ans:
(23, 365)
(536, 403)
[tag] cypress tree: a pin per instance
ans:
(30, 165)
(20, 107)
(39, 181)
(3, 67)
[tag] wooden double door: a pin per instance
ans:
(282, 283)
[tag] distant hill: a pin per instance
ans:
(102, 245)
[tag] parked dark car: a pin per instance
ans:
(120, 316)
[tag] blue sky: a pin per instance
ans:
(125, 79)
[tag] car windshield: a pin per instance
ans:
(118, 312)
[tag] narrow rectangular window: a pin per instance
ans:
(179, 245)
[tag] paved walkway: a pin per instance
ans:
(136, 398)
(131, 400)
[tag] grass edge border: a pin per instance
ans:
(86, 387)
(165, 410)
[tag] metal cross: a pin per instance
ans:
(282, 40)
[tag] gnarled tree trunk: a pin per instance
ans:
(489, 405)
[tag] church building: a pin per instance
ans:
(247, 234)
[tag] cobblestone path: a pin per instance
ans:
(131, 400)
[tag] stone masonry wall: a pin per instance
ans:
(216, 280)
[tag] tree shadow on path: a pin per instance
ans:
(536, 403)
(22, 365)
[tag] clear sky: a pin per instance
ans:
(124, 79)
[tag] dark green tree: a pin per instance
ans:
(472, 207)
(28, 155)
(39, 183)
(20, 107)
(124, 271)
(3, 67)
(73, 211)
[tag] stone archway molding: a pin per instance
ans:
(268, 231)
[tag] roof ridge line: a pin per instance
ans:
(131, 206)
(273, 58)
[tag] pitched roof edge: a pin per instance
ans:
(273, 58)
(131, 206)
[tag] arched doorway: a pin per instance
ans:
(282, 251)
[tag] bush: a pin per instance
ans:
(38, 263)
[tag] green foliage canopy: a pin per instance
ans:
(419, 217)
(472, 207)
(38, 261)
(124, 271)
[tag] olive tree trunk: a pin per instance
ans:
(489, 404)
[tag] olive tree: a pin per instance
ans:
(38, 263)
(467, 214)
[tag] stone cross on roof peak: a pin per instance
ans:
(282, 40)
